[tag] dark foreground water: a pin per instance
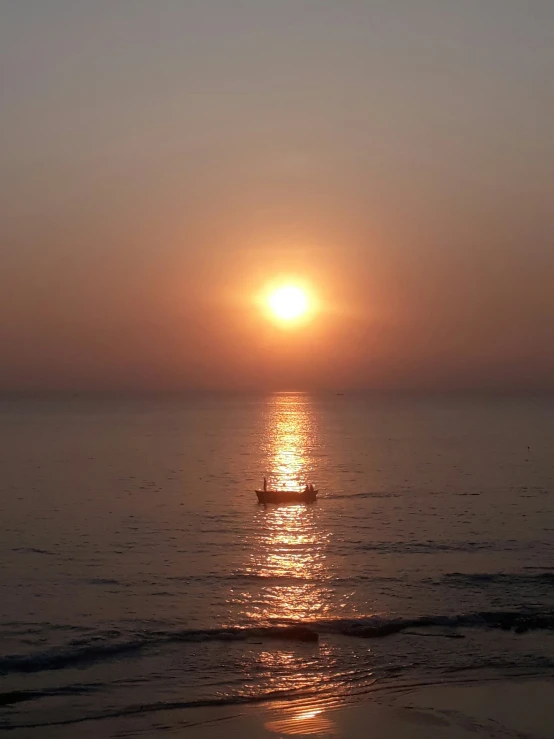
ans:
(140, 577)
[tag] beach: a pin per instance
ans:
(471, 708)
(493, 709)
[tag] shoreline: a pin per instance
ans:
(494, 707)
(472, 707)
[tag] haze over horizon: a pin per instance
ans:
(163, 162)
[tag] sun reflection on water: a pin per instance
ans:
(289, 579)
(302, 721)
(290, 441)
(288, 548)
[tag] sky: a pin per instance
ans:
(162, 162)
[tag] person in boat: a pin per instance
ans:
(265, 484)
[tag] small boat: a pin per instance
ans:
(287, 496)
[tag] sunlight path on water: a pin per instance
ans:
(289, 543)
(291, 438)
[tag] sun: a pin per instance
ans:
(288, 303)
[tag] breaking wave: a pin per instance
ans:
(104, 646)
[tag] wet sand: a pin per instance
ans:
(519, 708)
(495, 709)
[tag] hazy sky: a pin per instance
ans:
(161, 161)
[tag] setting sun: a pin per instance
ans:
(288, 303)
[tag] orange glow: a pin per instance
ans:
(289, 304)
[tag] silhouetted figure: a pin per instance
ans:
(265, 484)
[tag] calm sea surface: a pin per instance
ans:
(140, 578)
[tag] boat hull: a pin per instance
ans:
(286, 496)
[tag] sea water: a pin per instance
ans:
(140, 576)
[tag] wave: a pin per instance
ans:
(429, 547)
(104, 581)
(266, 578)
(20, 696)
(145, 708)
(269, 578)
(377, 494)
(376, 627)
(31, 550)
(60, 658)
(112, 645)
(503, 578)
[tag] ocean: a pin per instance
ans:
(140, 578)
